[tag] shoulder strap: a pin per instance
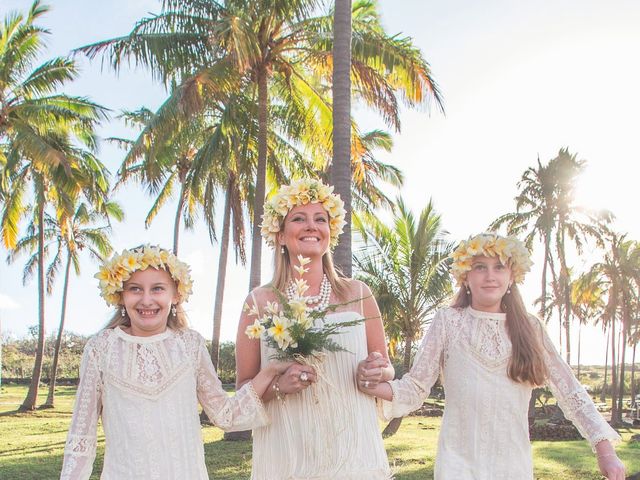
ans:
(361, 300)
(255, 302)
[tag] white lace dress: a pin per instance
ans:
(147, 389)
(326, 432)
(484, 433)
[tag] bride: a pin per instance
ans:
(328, 431)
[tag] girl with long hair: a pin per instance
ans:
(145, 375)
(322, 427)
(491, 353)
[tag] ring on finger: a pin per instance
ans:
(365, 384)
(304, 377)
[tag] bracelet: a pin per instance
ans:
(276, 388)
(606, 455)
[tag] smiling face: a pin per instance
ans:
(306, 231)
(147, 296)
(488, 281)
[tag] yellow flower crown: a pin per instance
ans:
(510, 250)
(302, 192)
(113, 273)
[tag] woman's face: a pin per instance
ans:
(306, 231)
(488, 282)
(147, 297)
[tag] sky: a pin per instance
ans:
(520, 80)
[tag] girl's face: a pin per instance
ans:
(306, 231)
(488, 281)
(147, 297)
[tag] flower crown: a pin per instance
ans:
(302, 192)
(510, 250)
(113, 273)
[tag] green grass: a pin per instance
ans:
(31, 446)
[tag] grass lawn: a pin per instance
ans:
(31, 447)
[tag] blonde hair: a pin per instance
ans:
(526, 364)
(282, 273)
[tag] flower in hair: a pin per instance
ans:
(302, 192)
(509, 250)
(114, 272)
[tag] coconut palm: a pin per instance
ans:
(286, 55)
(534, 218)
(619, 270)
(587, 303)
(406, 267)
(47, 140)
(76, 234)
(545, 209)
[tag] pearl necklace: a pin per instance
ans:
(322, 299)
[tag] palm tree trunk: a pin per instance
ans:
(579, 346)
(176, 222)
(340, 171)
(261, 173)
(54, 368)
(543, 300)
(623, 351)
(606, 359)
(29, 402)
(614, 377)
(222, 271)
(393, 426)
(633, 374)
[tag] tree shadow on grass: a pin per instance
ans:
(41, 467)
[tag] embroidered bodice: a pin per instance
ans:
(484, 433)
(147, 390)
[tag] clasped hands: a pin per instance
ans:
(370, 371)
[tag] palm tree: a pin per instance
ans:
(545, 209)
(619, 269)
(406, 267)
(40, 132)
(587, 302)
(534, 217)
(77, 233)
(161, 164)
(285, 54)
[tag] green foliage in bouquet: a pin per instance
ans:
(291, 328)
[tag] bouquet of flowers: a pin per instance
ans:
(290, 326)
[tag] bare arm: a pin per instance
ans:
(248, 358)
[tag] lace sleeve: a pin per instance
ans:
(410, 391)
(243, 411)
(80, 448)
(574, 400)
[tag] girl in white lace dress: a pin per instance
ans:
(491, 354)
(328, 431)
(145, 374)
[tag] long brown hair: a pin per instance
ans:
(526, 364)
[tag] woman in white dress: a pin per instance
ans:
(322, 427)
(491, 353)
(145, 374)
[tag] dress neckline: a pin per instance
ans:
(487, 315)
(127, 337)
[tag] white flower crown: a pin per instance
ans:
(302, 192)
(113, 273)
(509, 250)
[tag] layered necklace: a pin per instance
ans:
(321, 300)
